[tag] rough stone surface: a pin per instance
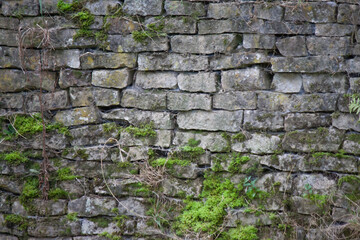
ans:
(188, 101)
(238, 60)
(287, 82)
(184, 8)
(258, 144)
(111, 78)
(198, 82)
(143, 7)
(125, 44)
(211, 121)
(306, 120)
(76, 116)
(336, 46)
(148, 80)
(263, 120)
(50, 101)
(143, 100)
(107, 60)
(292, 46)
(88, 207)
(258, 41)
(72, 78)
(336, 30)
(234, 100)
(325, 83)
(312, 12)
(245, 79)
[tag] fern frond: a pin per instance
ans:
(354, 105)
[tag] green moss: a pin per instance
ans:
(350, 179)
(110, 236)
(58, 193)
(29, 192)
(84, 18)
(240, 233)
(14, 158)
(101, 222)
(60, 128)
(239, 137)
(237, 162)
(152, 30)
(145, 130)
(81, 153)
(64, 7)
(190, 151)
(72, 217)
(124, 164)
(28, 125)
(319, 200)
(65, 174)
(109, 127)
(14, 220)
(265, 116)
(169, 162)
(354, 138)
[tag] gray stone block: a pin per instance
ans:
(230, 10)
(107, 60)
(336, 46)
(198, 82)
(325, 83)
(111, 78)
(179, 101)
(263, 120)
(182, 8)
(257, 144)
(74, 78)
(149, 80)
(292, 46)
(333, 29)
(234, 100)
(238, 60)
(287, 82)
(50, 101)
(316, 12)
(247, 79)
(258, 41)
(143, 100)
(76, 116)
(268, 11)
(143, 7)
(306, 120)
(120, 43)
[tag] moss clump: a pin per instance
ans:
(64, 7)
(81, 153)
(101, 221)
(354, 137)
(58, 193)
(152, 30)
(237, 162)
(240, 233)
(145, 130)
(65, 174)
(239, 137)
(14, 220)
(109, 127)
(169, 162)
(350, 179)
(72, 217)
(29, 192)
(14, 158)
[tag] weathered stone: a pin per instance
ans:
(138, 153)
(53, 141)
(352, 65)
(111, 78)
(64, 38)
(175, 24)
(258, 144)
(89, 206)
(107, 60)
(9, 58)
(11, 101)
(333, 29)
(143, 7)
(9, 185)
(337, 46)
(306, 120)
(320, 184)
(247, 218)
(50, 101)
(322, 139)
(230, 25)
(204, 44)
(81, 96)
(121, 26)
(92, 226)
(148, 80)
(267, 181)
(306, 64)
(20, 8)
(263, 120)
(272, 27)
(5, 202)
(214, 142)
(143, 100)
(8, 38)
(85, 96)
(106, 97)
(328, 162)
(312, 12)
(234, 100)
(72, 78)
(354, 84)
(101, 7)
(7, 237)
(119, 43)
(174, 187)
(287, 82)
(258, 41)
(238, 60)
(53, 227)
(9, 23)
(325, 83)
(15, 80)
(211, 121)
(191, 171)
(343, 103)
(268, 11)
(50, 207)
(162, 139)
(292, 46)
(230, 10)
(184, 8)
(304, 205)
(346, 121)
(175, 62)
(197, 82)
(285, 162)
(77, 116)
(188, 101)
(46, 22)
(245, 79)
(161, 120)
(132, 206)
(348, 14)
(91, 135)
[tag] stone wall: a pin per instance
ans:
(250, 91)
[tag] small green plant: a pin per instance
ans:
(354, 105)
(319, 200)
(58, 193)
(240, 233)
(145, 130)
(237, 162)
(169, 162)
(239, 137)
(14, 158)
(29, 192)
(152, 30)
(65, 174)
(14, 220)
(72, 217)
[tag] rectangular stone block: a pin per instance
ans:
(263, 120)
(183, 8)
(119, 43)
(238, 60)
(81, 96)
(143, 7)
(333, 29)
(15, 80)
(105, 97)
(10, 58)
(320, 140)
(346, 121)
(87, 96)
(64, 39)
(292, 46)
(198, 82)
(245, 79)
(143, 100)
(46, 22)
(268, 11)
(320, 102)
(306, 64)
(234, 100)
(74, 78)
(161, 120)
(9, 23)
(50, 101)
(61, 59)
(352, 65)
(287, 82)
(258, 41)
(107, 60)
(204, 44)
(111, 78)
(214, 142)
(230, 25)
(178, 101)
(306, 120)
(183, 24)
(336, 83)
(8, 38)
(162, 139)
(149, 80)
(211, 121)
(20, 8)
(312, 12)
(348, 14)
(272, 27)
(257, 144)
(230, 10)
(175, 62)
(92, 135)
(92, 206)
(101, 7)
(121, 26)
(77, 116)
(354, 84)
(336, 46)
(11, 100)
